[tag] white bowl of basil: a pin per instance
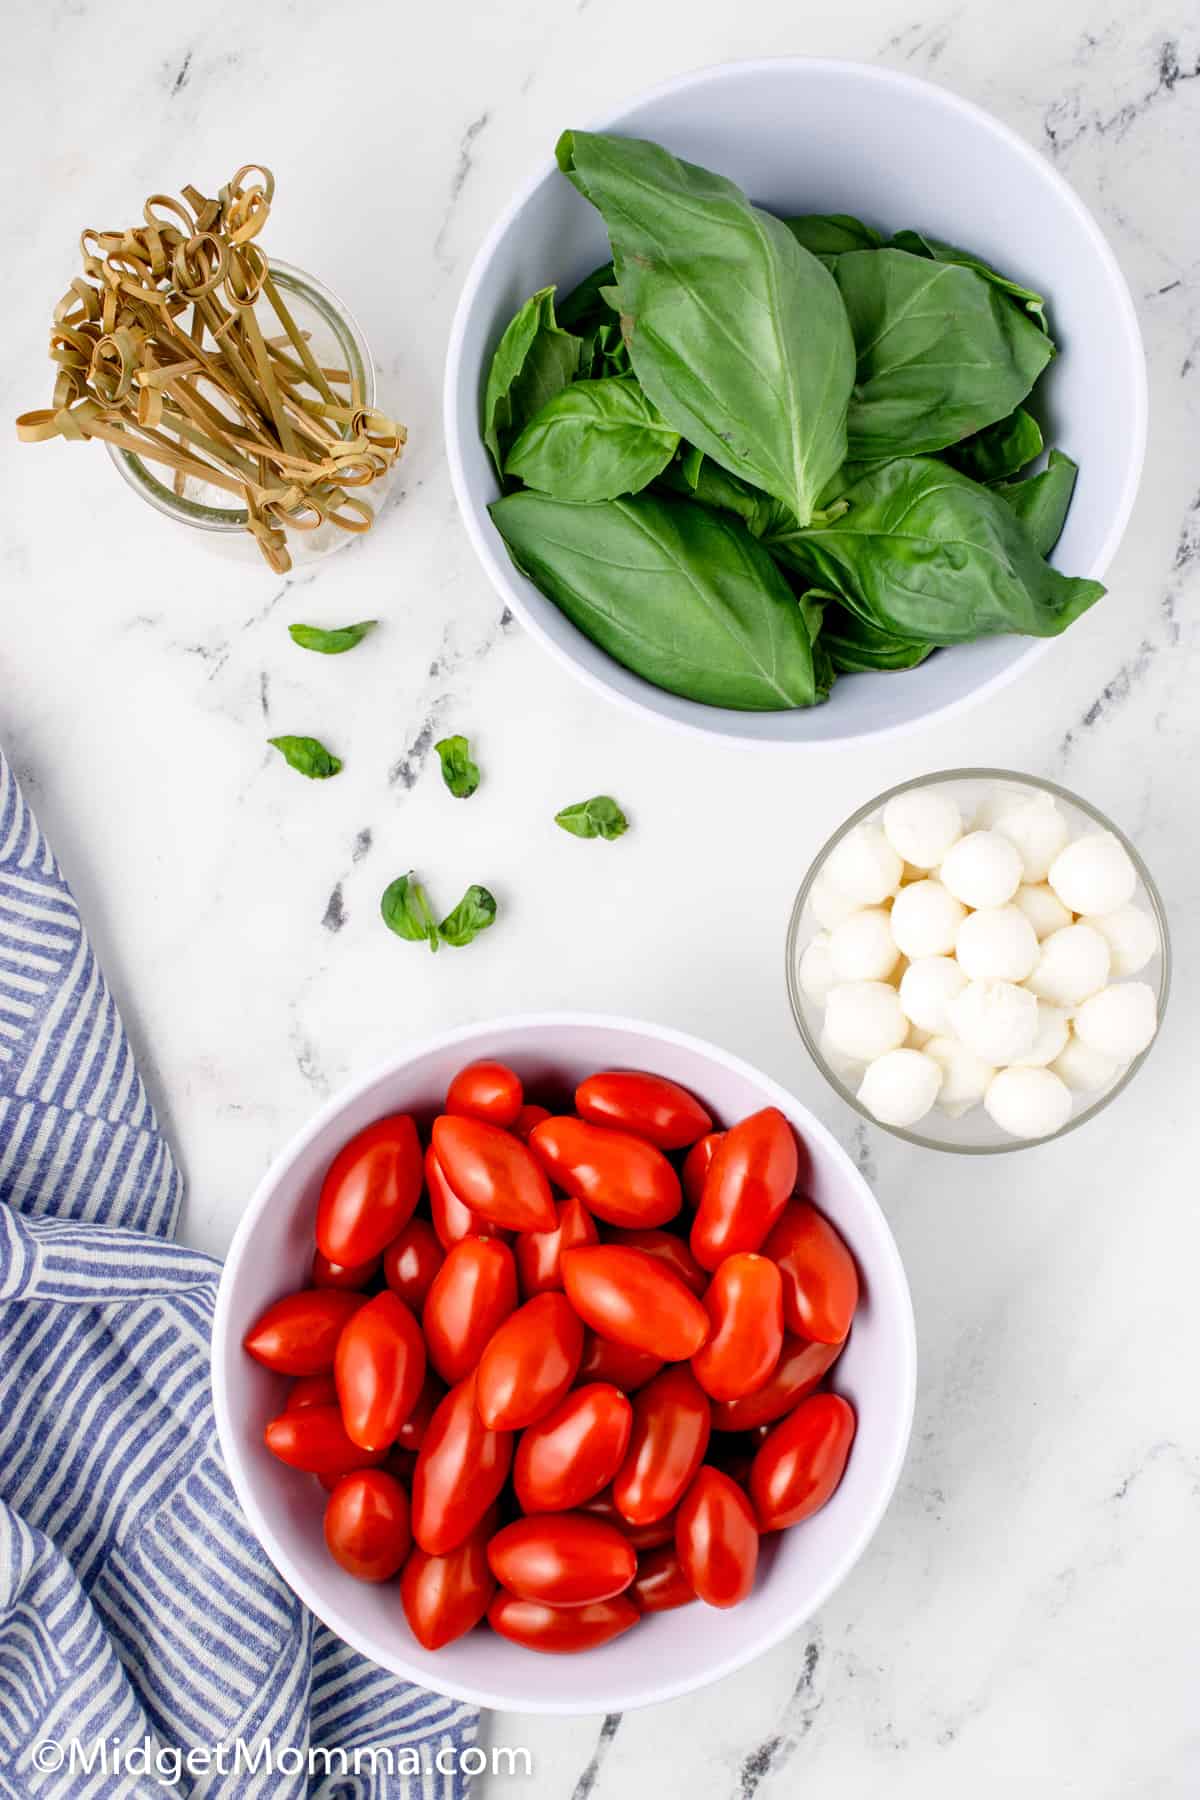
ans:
(799, 402)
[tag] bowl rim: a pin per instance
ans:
(1018, 777)
(485, 542)
(607, 1700)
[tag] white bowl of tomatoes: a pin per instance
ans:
(564, 1364)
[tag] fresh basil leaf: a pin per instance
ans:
(473, 914)
(827, 235)
(598, 817)
(680, 594)
(941, 353)
(1041, 501)
(595, 440)
(737, 334)
(604, 352)
(999, 450)
(307, 755)
(700, 477)
(459, 773)
(919, 244)
(405, 910)
(333, 642)
(928, 555)
(584, 306)
(533, 360)
(855, 645)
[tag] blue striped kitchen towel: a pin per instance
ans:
(146, 1643)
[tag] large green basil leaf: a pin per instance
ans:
(682, 596)
(827, 235)
(1041, 501)
(533, 360)
(737, 334)
(941, 353)
(593, 441)
(919, 244)
(999, 450)
(928, 555)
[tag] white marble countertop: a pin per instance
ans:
(1026, 1621)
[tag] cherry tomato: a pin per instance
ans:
(379, 1370)
(494, 1174)
(649, 1106)
(472, 1294)
(452, 1221)
(696, 1165)
(747, 1187)
(411, 1434)
(631, 1297)
(660, 1583)
(341, 1275)
(716, 1536)
(370, 1191)
(313, 1438)
(744, 1304)
(539, 1253)
(621, 1364)
(618, 1177)
(488, 1091)
(560, 1630)
(311, 1390)
(411, 1261)
(800, 1369)
(445, 1596)
(461, 1468)
(666, 1446)
(820, 1281)
(802, 1460)
(669, 1250)
(298, 1334)
(366, 1524)
(642, 1537)
(573, 1451)
(529, 1363)
(565, 1559)
(526, 1119)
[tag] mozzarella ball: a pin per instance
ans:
(996, 944)
(1036, 828)
(1094, 874)
(982, 869)
(1084, 1069)
(995, 1019)
(1132, 938)
(830, 906)
(1042, 907)
(925, 920)
(816, 968)
(862, 947)
(1119, 1021)
(921, 825)
(900, 1088)
(864, 866)
(1073, 964)
(863, 1019)
(926, 989)
(993, 802)
(1053, 1029)
(1028, 1103)
(965, 1076)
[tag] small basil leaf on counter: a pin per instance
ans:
(459, 773)
(308, 755)
(1000, 450)
(533, 360)
(334, 641)
(1041, 501)
(599, 817)
(406, 911)
(918, 244)
(593, 441)
(473, 914)
(827, 235)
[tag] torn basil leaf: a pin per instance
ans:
(599, 817)
(405, 909)
(459, 773)
(334, 641)
(308, 756)
(473, 914)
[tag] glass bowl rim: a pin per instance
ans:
(867, 811)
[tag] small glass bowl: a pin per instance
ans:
(336, 339)
(974, 1133)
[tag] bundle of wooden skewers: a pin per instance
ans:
(161, 350)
